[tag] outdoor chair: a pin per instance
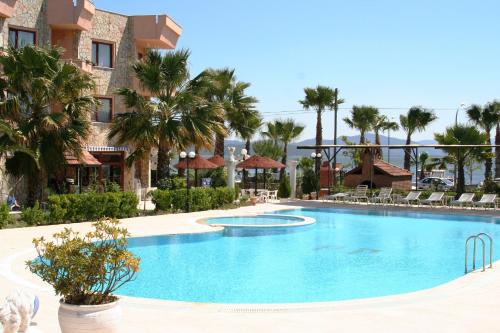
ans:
(263, 195)
(412, 197)
(487, 200)
(384, 196)
(465, 198)
(436, 198)
(359, 194)
(273, 195)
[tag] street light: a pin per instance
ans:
(462, 106)
(187, 156)
(316, 157)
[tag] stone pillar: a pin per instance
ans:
(231, 167)
(292, 168)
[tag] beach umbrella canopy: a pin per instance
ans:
(217, 160)
(196, 163)
(260, 162)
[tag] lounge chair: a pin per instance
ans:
(384, 196)
(359, 194)
(412, 197)
(487, 200)
(434, 198)
(465, 198)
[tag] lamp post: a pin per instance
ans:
(187, 156)
(316, 157)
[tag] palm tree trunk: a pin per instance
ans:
(460, 177)
(407, 161)
(163, 165)
(377, 142)
(497, 152)
(488, 165)
(35, 183)
(283, 160)
(319, 137)
(219, 145)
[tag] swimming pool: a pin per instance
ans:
(346, 254)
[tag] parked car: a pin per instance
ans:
(439, 183)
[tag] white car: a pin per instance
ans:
(439, 183)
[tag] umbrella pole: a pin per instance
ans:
(255, 181)
(265, 182)
(195, 177)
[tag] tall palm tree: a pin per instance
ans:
(271, 132)
(320, 99)
(267, 148)
(496, 105)
(485, 118)
(226, 93)
(177, 116)
(462, 135)
(48, 105)
(416, 120)
(288, 131)
(362, 118)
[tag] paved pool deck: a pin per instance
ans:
(468, 304)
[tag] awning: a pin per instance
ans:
(86, 159)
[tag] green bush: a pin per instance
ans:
(172, 183)
(199, 199)
(309, 181)
(91, 206)
(33, 215)
(5, 217)
(284, 190)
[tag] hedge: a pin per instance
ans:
(91, 206)
(200, 199)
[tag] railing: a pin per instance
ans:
(475, 238)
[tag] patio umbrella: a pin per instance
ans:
(260, 162)
(217, 160)
(197, 163)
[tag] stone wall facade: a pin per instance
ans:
(106, 27)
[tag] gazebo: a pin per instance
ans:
(217, 160)
(260, 162)
(196, 163)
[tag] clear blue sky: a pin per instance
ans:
(386, 53)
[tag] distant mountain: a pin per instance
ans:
(370, 137)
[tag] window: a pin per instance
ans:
(103, 111)
(102, 54)
(20, 38)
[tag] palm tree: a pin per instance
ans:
(416, 119)
(48, 105)
(320, 99)
(288, 131)
(271, 132)
(423, 162)
(267, 148)
(362, 118)
(485, 118)
(462, 135)
(496, 105)
(226, 93)
(178, 116)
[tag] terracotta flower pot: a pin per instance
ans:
(104, 318)
(253, 200)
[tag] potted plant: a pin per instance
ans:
(253, 200)
(85, 271)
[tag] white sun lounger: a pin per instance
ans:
(487, 200)
(464, 200)
(384, 196)
(435, 198)
(359, 194)
(412, 197)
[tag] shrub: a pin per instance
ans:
(284, 190)
(5, 217)
(309, 181)
(91, 206)
(86, 270)
(172, 183)
(199, 199)
(33, 215)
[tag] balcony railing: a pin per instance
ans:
(7, 8)
(156, 31)
(85, 66)
(64, 14)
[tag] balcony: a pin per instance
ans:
(64, 14)
(81, 64)
(7, 8)
(156, 31)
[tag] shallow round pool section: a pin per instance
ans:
(345, 254)
(260, 221)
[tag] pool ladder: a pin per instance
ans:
(475, 238)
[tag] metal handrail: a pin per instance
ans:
(475, 238)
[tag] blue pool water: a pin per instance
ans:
(258, 220)
(347, 254)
